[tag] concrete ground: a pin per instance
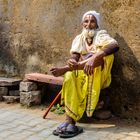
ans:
(20, 123)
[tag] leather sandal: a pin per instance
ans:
(71, 131)
(60, 128)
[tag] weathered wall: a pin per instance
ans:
(35, 35)
(123, 20)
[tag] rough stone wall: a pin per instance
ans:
(122, 19)
(35, 35)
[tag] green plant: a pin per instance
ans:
(57, 109)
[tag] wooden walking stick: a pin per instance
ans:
(52, 103)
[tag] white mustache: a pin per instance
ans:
(88, 33)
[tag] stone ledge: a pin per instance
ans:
(11, 99)
(9, 81)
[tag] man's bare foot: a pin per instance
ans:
(58, 71)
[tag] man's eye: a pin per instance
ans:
(92, 21)
(86, 21)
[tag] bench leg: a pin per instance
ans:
(52, 103)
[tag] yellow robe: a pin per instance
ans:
(81, 93)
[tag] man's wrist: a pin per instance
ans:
(75, 56)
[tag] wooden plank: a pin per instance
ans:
(9, 81)
(44, 78)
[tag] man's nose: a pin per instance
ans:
(89, 24)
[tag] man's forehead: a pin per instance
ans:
(89, 16)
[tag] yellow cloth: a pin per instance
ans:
(81, 93)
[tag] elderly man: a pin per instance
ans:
(86, 73)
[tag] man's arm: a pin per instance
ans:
(73, 61)
(111, 49)
(97, 58)
(87, 65)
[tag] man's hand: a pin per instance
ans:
(72, 63)
(91, 64)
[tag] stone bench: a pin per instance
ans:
(44, 78)
(9, 81)
(9, 89)
(28, 90)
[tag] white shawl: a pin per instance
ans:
(101, 39)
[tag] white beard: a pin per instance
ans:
(87, 33)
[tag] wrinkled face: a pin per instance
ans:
(89, 22)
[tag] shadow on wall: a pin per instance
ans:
(123, 97)
(8, 67)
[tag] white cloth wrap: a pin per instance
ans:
(95, 14)
(100, 40)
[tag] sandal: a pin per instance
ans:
(60, 128)
(71, 131)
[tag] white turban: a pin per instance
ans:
(95, 14)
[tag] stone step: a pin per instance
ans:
(11, 99)
(9, 81)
